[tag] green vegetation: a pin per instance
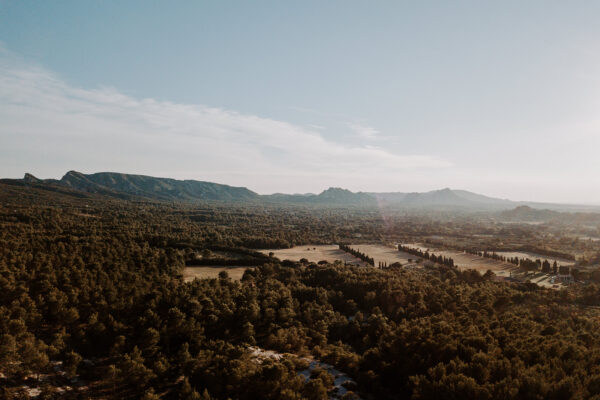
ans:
(97, 284)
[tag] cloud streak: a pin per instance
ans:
(48, 127)
(364, 131)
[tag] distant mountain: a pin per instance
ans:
(445, 197)
(288, 198)
(332, 196)
(127, 186)
(387, 198)
(528, 214)
(28, 178)
(440, 198)
(479, 198)
(78, 181)
(141, 186)
(344, 196)
(536, 215)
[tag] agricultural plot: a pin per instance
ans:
(210, 272)
(535, 256)
(386, 254)
(470, 261)
(315, 253)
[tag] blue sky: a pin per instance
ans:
(499, 98)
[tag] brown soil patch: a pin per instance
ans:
(315, 253)
(387, 254)
(210, 272)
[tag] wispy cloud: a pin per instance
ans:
(49, 126)
(364, 131)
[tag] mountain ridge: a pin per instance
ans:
(132, 186)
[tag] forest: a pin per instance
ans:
(93, 305)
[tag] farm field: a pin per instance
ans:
(500, 268)
(210, 272)
(382, 253)
(315, 253)
(470, 261)
(534, 256)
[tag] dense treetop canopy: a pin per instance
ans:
(97, 285)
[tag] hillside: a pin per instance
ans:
(445, 198)
(142, 187)
(441, 198)
(526, 213)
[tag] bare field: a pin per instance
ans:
(210, 272)
(481, 264)
(534, 256)
(382, 253)
(390, 255)
(470, 261)
(500, 268)
(315, 253)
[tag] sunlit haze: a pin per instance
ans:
(498, 98)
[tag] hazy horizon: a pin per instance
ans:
(317, 191)
(496, 99)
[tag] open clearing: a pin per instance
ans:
(381, 253)
(470, 261)
(315, 253)
(390, 255)
(210, 272)
(500, 268)
(534, 256)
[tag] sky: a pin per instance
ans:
(500, 98)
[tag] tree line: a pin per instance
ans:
(447, 261)
(357, 253)
(526, 264)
